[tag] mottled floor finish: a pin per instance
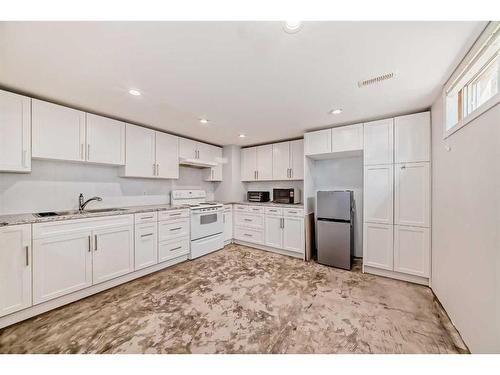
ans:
(243, 300)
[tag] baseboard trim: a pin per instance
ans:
(396, 275)
(75, 296)
(271, 249)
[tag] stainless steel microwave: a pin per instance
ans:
(290, 196)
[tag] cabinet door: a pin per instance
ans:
(167, 155)
(205, 151)
(273, 234)
(293, 234)
(58, 132)
(105, 140)
(15, 132)
(297, 159)
(228, 225)
(113, 253)
(281, 161)
(265, 163)
(188, 149)
(318, 142)
(61, 265)
(146, 245)
(412, 138)
(412, 194)
(378, 246)
(412, 247)
(347, 138)
(249, 164)
(140, 152)
(378, 142)
(15, 268)
(215, 173)
(378, 194)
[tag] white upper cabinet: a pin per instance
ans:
(248, 164)
(189, 149)
(15, 268)
(412, 250)
(297, 159)
(215, 155)
(378, 142)
(15, 132)
(265, 162)
(412, 183)
(58, 132)
(412, 138)
(167, 155)
(378, 194)
(318, 142)
(281, 161)
(347, 138)
(105, 140)
(140, 152)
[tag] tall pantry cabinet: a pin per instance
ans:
(397, 197)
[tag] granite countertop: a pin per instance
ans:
(268, 204)
(16, 219)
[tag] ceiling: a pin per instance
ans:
(245, 77)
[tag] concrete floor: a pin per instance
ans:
(243, 300)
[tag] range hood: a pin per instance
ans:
(197, 163)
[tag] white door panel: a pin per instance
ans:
(412, 194)
(412, 250)
(378, 194)
(273, 234)
(412, 138)
(378, 142)
(297, 159)
(140, 152)
(167, 155)
(105, 140)
(378, 249)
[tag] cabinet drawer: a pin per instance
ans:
(293, 212)
(228, 208)
(274, 211)
(173, 249)
(256, 209)
(175, 214)
(249, 235)
(249, 220)
(146, 217)
(241, 208)
(171, 229)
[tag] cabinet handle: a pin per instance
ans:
(81, 152)
(95, 239)
(90, 243)
(403, 167)
(224, 219)
(248, 219)
(177, 214)
(27, 248)
(146, 217)
(176, 248)
(248, 235)
(172, 229)
(146, 235)
(154, 169)
(291, 173)
(88, 152)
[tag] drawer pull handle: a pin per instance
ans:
(248, 235)
(146, 235)
(95, 248)
(146, 217)
(248, 219)
(90, 243)
(292, 212)
(177, 214)
(176, 248)
(172, 229)
(27, 248)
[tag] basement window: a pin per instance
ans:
(474, 87)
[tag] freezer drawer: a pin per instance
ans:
(334, 244)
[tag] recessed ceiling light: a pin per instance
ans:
(337, 111)
(242, 135)
(292, 27)
(134, 92)
(204, 120)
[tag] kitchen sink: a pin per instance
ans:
(76, 212)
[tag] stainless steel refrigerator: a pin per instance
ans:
(335, 232)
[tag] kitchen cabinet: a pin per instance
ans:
(189, 149)
(318, 142)
(288, 160)
(150, 154)
(58, 132)
(62, 264)
(146, 245)
(257, 163)
(248, 164)
(412, 250)
(15, 268)
(293, 234)
(378, 142)
(378, 194)
(169, 250)
(378, 246)
(166, 155)
(228, 223)
(347, 138)
(15, 132)
(214, 173)
(105, 140)
(113, 252)
(274, 231)
(412, 138)
(412, 182)
(173, 234)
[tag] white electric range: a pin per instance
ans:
(207, 224)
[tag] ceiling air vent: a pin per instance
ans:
(374, 80)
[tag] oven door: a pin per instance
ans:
(206, 223)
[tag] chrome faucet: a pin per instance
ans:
(82, 203)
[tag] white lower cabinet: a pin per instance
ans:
(15, 268)
(62, 264)
(146, 245)
(274, 231)
(168, 250)
(378, 246)
(412, 250)
(228, 223)
(173, 234)
(293, 234)
(249, 235)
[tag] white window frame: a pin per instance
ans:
(458, 76)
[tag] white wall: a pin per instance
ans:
(466, 226)
(344, 174)
(231, 189)
(55, 185)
